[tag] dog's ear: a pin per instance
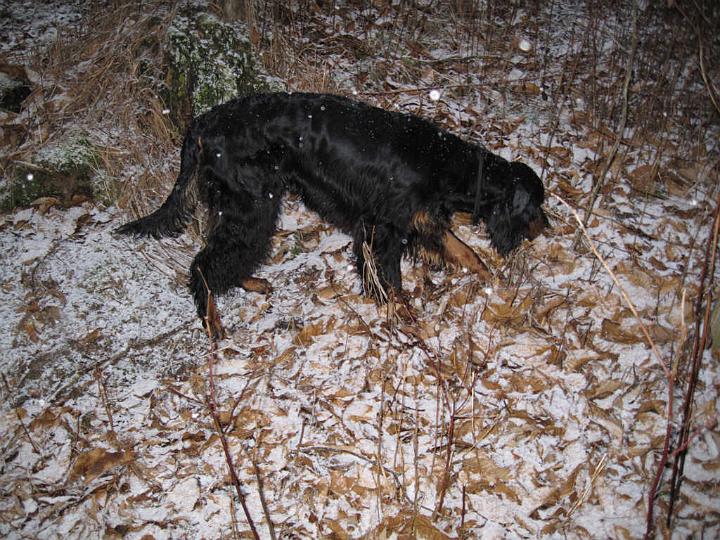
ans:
(504, 234)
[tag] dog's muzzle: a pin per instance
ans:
(535, 227)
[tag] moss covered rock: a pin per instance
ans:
(209, 62)
(62, 170)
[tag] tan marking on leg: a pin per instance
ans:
(258, 285)
(431, 257)
(459, 253)
(422, 222)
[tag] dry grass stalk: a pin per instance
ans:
(666, 367)
(371, 278)
(599, 468)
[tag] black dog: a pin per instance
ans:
(391, 180)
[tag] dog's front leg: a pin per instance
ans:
(378, 250)
(460, 254)
(237, 244)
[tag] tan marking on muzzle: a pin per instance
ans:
(535, 227)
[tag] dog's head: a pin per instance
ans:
(511, 198)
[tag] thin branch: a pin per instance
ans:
(263, 502)
(20, 419)
(102, 390)
(212, 405)
(699, 343)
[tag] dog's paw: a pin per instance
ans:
(258, 285)
(212, 323)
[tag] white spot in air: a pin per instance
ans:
(218, 154)
(465, 270)
(403, 241)
(488, 290)
(166, 111)
(310, 116)
(694, 202)
(434, 95)
(30, 176)
(322, 107)
(220, 213)
(524, 45)
(270, 195)
(354, 92)
(276, 168)
(300, 138)
(349, 267)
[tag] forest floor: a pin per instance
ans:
(529, 406)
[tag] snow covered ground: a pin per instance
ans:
(526, 407)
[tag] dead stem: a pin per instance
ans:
(416, 452)
(328, 448)
(445, 480)
(599, 468)
(263, 502)
(20, 419)
(102, 391)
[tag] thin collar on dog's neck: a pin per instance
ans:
(479, 184)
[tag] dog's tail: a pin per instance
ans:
(175, 213)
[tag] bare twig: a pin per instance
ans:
(712, 92)
(263, 502)
(212, 405)
(341, 450)
(445, 479)
(699, 342)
